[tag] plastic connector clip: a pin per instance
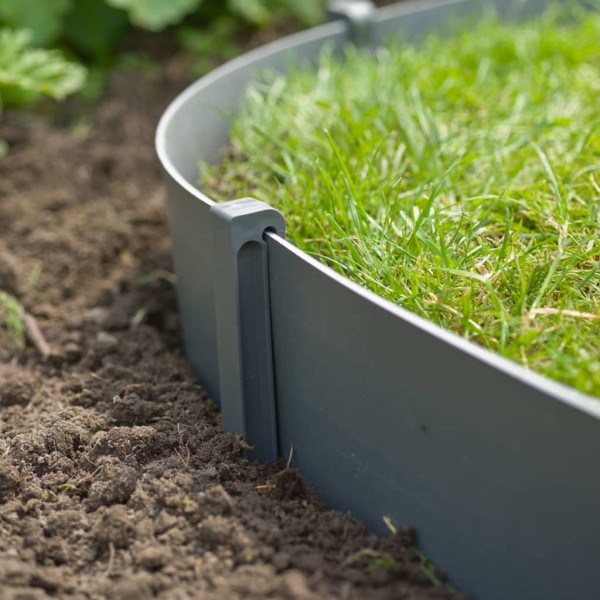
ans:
(359, 14)
(244, 340)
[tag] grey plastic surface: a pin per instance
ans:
(191, 243)
(388, 414)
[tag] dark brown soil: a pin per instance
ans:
(115, 480)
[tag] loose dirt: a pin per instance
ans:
(115, 479)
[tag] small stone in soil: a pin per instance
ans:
(114, 527)
(16, 386)
(114, 485)
(152, 558)
(214, 501)
(9, 482)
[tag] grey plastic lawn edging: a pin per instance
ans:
(387, 414)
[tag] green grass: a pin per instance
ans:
(458, 178)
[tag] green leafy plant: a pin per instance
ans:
(27, 73)
(458, 178)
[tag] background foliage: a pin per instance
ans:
(91, 28)
(89, 31)
(26, 73)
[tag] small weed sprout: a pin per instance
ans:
(11, 317)
(427, 566)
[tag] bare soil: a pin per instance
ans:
(115, 479)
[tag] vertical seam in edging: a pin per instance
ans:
(243, 321)
(359, 16)
(269, 340)
(266, 235)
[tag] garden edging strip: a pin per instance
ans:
(387, 414)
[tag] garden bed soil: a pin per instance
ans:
(115, 479)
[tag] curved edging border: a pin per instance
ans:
(387, 413)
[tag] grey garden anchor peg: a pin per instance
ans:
(243, 321)
(359, 15)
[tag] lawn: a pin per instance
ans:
(457, 177)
